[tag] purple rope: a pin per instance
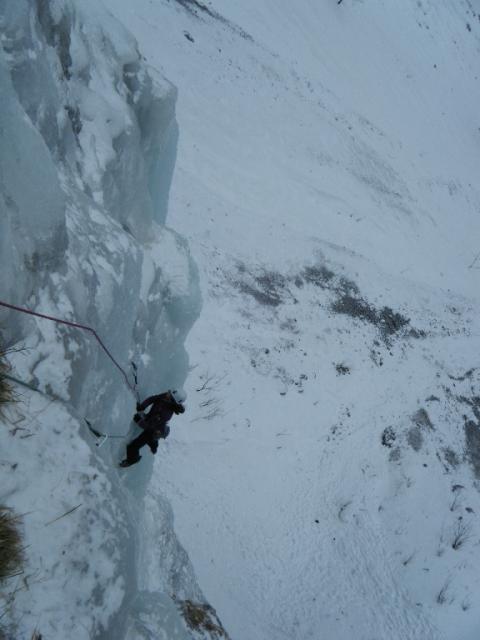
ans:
(77, 326)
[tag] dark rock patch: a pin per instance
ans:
(415, 438)
(467, 374)
(388, 437)
(395, 454)
(318, 275)
(451, 457)
(473, 403)
(422, 419)
(75, 119)
(342, 369)
(472, 434)
(267, 289)
(385, 319)
(198, 10)
(272, 288)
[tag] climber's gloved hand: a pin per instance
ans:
(138, 407)
(137, 417)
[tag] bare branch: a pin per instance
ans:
(471, 266)
(462, 532)
(63, 515)
(444, 596)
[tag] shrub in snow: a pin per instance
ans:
(444, 596)
(6, 391)
(461, 533)
(11, 550)
(202, 618)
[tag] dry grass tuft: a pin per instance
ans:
(6, 389)
(11, 544)
(202, 618)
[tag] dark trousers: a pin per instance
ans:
(133, 447)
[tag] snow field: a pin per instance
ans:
(339, 138)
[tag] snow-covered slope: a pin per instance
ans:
(324, 480)
(327, 181)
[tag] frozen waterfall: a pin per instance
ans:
(87, 149)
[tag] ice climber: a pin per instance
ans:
(154, 423)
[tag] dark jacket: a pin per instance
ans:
(154, 424)
(164, 406)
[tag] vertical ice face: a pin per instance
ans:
(88, 144)
(32, 222)
(87, 149)
(85, 88)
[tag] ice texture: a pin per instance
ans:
(88, 141)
